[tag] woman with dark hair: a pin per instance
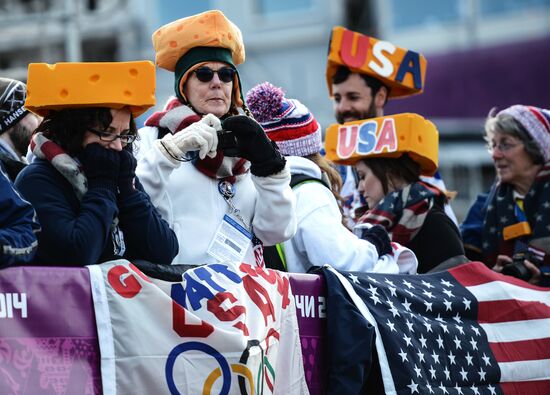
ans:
(390, 154)
(83, 187)
(517, 210)
(410, 209)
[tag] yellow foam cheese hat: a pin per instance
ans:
(385, 137)
(400, 69)
(102, 84)
(207, 29)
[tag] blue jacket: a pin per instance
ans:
(78, 233)
(18, 225)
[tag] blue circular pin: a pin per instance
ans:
(226, 189)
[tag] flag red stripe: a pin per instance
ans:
(511, 310)
(525, 350)
(541, 387)
(476, 273)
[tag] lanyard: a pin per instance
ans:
(227, 190)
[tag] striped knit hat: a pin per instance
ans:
(536, 122)
(286, 121)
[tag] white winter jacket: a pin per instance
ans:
(321, 238)
(190, 202)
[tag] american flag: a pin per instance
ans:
(464, 331)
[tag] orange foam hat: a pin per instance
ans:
(385, 137)
(207, 29)
(81, 84)
(400, 69)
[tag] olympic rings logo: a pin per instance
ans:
(224, 369)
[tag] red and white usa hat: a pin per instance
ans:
(285, 121)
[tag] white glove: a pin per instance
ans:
(200, 136)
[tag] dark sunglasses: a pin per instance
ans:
(205, 74)
(106, 136)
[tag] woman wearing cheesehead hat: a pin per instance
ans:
(410, 209)
(517, 214)
(82, 183)
(321, 236)
(196, 185)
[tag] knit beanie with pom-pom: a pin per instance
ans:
(285, 121)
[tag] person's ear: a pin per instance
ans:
(381, 98)
(393, 182)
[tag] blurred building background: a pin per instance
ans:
(481, 54)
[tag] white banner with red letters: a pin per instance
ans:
(224, 329)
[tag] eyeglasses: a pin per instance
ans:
(205, 74)
(110, 137)
(503, 146)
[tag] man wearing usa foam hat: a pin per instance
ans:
(224, 194)
(362, 74)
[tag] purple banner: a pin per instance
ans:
(48, 341)
(309, 294)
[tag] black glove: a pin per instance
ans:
(253, 144)
(100, 166)
(127, 172)
(378, 236)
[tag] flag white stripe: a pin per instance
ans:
(513, 331)
(500, 290)
(525, 370)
